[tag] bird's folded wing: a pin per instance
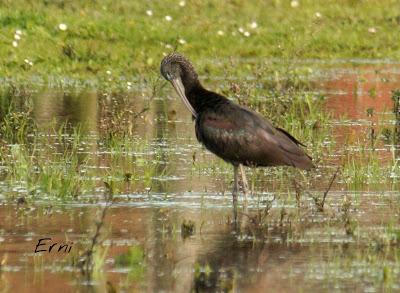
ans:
(244, 136)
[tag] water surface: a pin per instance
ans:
(164, 178)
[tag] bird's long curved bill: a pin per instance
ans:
(180, 89)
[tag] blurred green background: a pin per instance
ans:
(90, 39)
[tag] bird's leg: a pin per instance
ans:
(244, 182)
(235, 187)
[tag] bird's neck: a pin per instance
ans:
(202, 99)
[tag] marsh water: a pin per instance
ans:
(170, 225)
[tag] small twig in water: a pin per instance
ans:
(298, 193)
(86, 263)
(320, 204)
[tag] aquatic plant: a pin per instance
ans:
(16, 125)
(92, 259)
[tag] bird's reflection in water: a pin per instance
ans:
(237, 259)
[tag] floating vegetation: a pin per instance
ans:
(187, 228)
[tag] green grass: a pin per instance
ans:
(121, 38)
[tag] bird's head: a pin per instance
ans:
(176, 66)
(180, 73)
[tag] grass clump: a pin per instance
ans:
(364, 167)
(43, 172)
(16, 124)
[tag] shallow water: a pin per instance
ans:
(174, 180)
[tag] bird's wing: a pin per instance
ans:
(239, 135)
(290, 136)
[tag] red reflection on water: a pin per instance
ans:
(357, 89)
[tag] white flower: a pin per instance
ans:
(220, 33)
(15, 44)
(253, 25)
(108, 72)
(182, 41)
(168, 46)
(168, 18)
(246, 34)
(27, 61)
(128, 83)
(294, 3)
(17, 37)
(372, 30)
(149, 12)
(241, 30)
(18, 32)
(62, 27)
(318, 14)
(182, 3)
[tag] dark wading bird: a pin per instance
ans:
(232, 132)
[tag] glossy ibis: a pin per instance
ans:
(234, 133)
